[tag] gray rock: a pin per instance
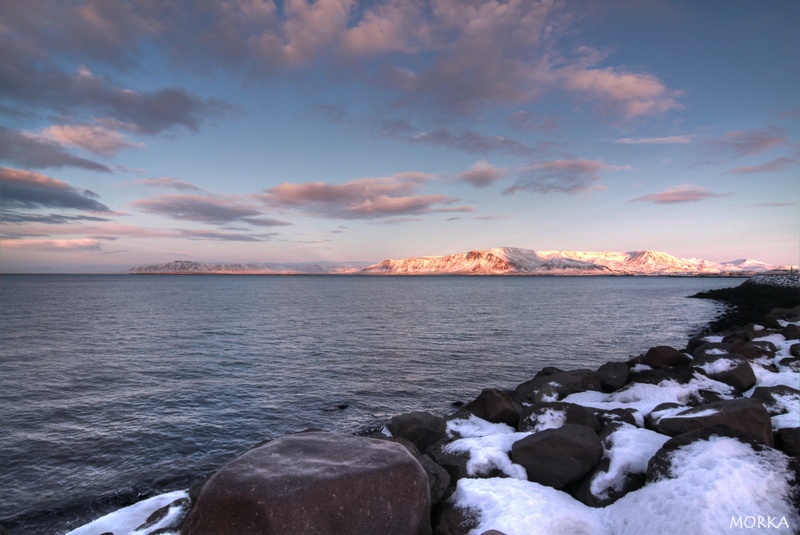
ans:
(438, 478)
(316, 483)
(788, 440)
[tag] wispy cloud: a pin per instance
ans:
(462, 139)
(482, 174)
(201, 208)
(364, 198)
(773, 166)
(668, 140)
(749, 142)
(167, 182)
(67, 244)
(225, 236)
(678, 194)
(562, 176)
(28, 189)
(8, 216)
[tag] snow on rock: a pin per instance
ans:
(475, 427)
(488, 453)
(133, 520)
(516, 507)
(629, 449)
(783, 280)
(714, 487)
(643, 398)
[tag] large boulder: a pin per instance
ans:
(558, 457)
(613, 375)
(560, 383)
(497, 406)
(541, 416)
(316, 483)
(665, 356)
(746, 415)
(422, 429)
(728, 368)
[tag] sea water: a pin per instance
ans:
(116, 387)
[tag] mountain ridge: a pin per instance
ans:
(495, 261)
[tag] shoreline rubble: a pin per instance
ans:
(634, 446)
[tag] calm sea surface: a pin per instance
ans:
(113, 388)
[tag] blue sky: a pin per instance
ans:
(335, 130)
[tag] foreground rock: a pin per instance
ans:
(316, 483)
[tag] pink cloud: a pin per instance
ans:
(778, 164)
(167, 182)
(482, 174)
(364, 198)
(749, 142)
(28, 189)
(96, 139)
(630, 95)
(71, 244)
(678, 194)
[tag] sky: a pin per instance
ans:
(141, 131)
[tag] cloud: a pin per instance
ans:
(20, 188)
(96, 139)
(50, 219)
(462, 139)
(167, 182)
(201, 208)
(562, 176)
(749, 142)
(225, 236)
(148, 112)
(524, 120)
(38, 152)
(778, 164)
(669, 140)
(265, 222)
(482, 174)
(621, 94)
(69, 244)
(364, 198)
(775, 204)
(678, 194)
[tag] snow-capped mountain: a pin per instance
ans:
(188, 267)
(514, 261)
(497, 261)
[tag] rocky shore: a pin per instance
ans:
(702, 439)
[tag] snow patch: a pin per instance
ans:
(125, 521)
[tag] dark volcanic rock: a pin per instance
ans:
(422, 429)
(745, 415)
(540, 415)
(665, 356)
(438, 478)
(776, 399)
(788, 440)
(733, 370)
(562, 383)
(496, 406)
(613, 375)
(316, 482)
(680, 374)
(558, 457)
